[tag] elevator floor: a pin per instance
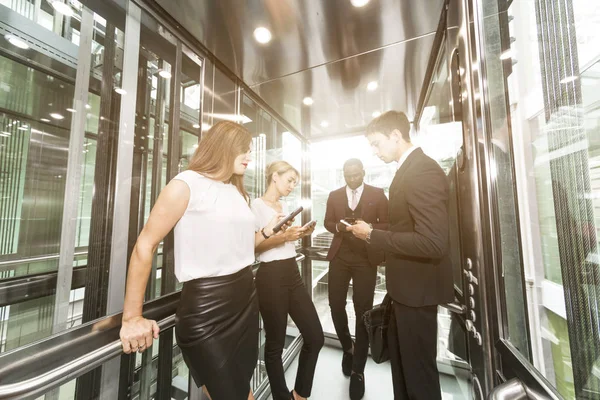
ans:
(331, 384)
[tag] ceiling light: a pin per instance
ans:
(71, 110)
(88, 107)
(165, 74)
(324, 124)
(56, 116)
(6, 134)
(372, 86)
(206, 127)
(195, 146)
(308, 101)
(376, 114)
(120, 91)
(22, 128)
(45, 120)
(62, 8)
(262, 35)
(196, 126)
(15, 41)
(569, 79)
(359, 3)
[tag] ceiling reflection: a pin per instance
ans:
(352, 59)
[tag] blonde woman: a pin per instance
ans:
(217, 318)
(281, 291)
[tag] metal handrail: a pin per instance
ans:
(71, 370)
(514, 389)
(38, 259)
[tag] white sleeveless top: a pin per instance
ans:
(215, 235)
(264, 214)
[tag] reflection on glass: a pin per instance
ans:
(545, 104)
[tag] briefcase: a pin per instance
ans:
(376, 321)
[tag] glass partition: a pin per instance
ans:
(542, 101)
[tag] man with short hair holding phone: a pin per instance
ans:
(351, 258)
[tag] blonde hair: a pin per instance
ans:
(218, 150)
(279, 167)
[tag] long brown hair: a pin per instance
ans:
(217, 151)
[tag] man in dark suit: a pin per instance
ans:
(350, 258)
(418, 266)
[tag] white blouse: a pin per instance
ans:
(215, 235)
(264, 214)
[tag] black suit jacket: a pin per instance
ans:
(418, 266)
(374, 210)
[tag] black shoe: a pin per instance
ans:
(357, 386)
(347, 363)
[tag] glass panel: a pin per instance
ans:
(327, 161)
(38, 107)
(441, 138)
(542, 75)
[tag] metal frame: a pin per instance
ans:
(73, 177)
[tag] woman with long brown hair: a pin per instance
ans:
(217, 318)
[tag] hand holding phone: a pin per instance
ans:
(287, 219)
(343, 221)
(310, 224)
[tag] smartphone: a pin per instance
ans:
(309, 224)
(287, 219)
(350, 220)
(343, 221)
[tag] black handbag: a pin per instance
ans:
(376, 321)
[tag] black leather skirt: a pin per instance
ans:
(216, 327)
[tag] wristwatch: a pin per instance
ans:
(368, 238)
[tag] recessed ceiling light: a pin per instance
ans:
(165, 74)
(376, 114)
(62, 8)
(15, 41)
(120, 91)
(569, 79)
(56, 116)
(372, 86)
(359, 3)
(71, 110)
(262, 35)
(308, 101)
(44, 120)
(196, 126)
(88, 107)
(324, 124)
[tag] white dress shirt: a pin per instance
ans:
(359, 191)
(405, 155)
(263, 214)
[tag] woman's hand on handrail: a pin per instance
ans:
(137, 334)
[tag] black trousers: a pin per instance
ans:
(363, 291)
(282, 292)
(412, 343)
